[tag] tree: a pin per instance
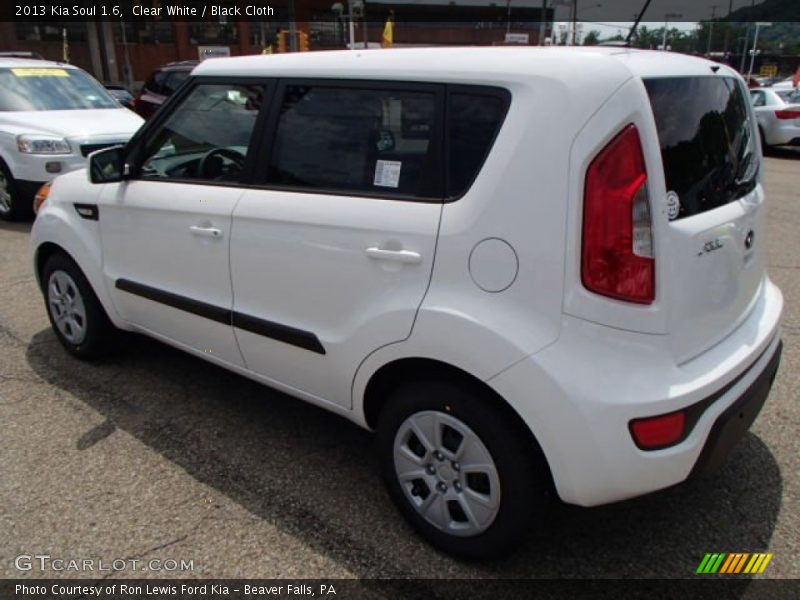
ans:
(592, 38)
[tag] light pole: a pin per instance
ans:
(667, 17)
(755, 45)
(714, 8)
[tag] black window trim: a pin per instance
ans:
(476, 90)
(435, 189)
(140, 141)
(261, 147)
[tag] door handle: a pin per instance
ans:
(402, 256)
(211, 232)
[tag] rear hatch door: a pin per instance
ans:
(711, 257)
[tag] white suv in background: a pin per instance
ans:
(52, 115)
(532, 271)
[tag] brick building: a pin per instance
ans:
(107, 48)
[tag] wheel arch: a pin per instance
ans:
(396, 372)
(41, 254)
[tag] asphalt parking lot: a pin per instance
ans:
(158, 455)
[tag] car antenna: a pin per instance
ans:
(636, 23)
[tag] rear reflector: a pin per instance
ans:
(658, 432)
(787, 114)
(617, 256)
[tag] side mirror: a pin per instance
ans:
(107, 165)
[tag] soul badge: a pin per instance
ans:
(673, 205)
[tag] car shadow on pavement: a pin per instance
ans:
(313, 475)
(784, 153)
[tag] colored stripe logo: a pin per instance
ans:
(734, 563)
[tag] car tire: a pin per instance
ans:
(764, 145)
(76, 315)
(13, 206)
(478, 509)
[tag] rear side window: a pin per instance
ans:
(706, 140)
(341, 139)
(473, 121)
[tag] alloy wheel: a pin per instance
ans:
(447, 473)
(66, 307)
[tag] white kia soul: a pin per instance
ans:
(532, 271)
(52, 116)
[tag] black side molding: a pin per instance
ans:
(283, 333)
(90, 212)
(207, 311)
(276, 331)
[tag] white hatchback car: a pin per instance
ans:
(52, 116)
(530, 270)
(777, 115)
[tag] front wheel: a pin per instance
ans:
(461, 469)
(13, 205)
(78, 319)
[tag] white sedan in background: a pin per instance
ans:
(778, 115)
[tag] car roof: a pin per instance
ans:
(465, 64)
(9, 62)
(183, 65)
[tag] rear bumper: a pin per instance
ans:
(732, 424)
(579, 396)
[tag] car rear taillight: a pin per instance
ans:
(617, 255)
(787, 114)
(658, 432)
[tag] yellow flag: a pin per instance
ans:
(388, 33)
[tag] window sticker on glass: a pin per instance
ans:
(387, 173)
(40, 72)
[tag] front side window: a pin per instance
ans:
(207, 136)
(355, 140)
(51, 88)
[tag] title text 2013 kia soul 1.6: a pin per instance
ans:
(530, 270)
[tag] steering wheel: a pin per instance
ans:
(233, 155)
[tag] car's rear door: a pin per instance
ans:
(331, 257)
(714, 268)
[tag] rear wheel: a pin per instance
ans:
(76, 315)
(460, 469)
(13, 207)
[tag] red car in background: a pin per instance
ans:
(161, 84)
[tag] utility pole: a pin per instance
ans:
(667, 17)
(292, 28)
(542, 27)
(755, 47)
(574, 20)
(714, 8)
(728, 26)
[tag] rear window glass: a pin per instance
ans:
(706, 140)
(473, 120)
(790, 96)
